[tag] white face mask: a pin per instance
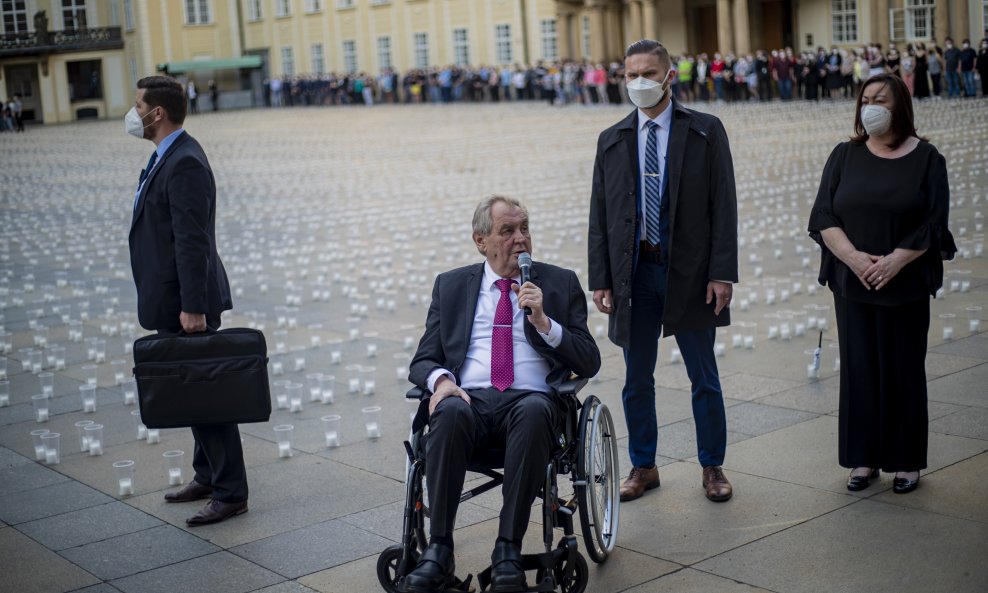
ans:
(134, 123)
(876, 119)
(645, 93)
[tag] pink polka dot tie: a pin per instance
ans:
(502, 354)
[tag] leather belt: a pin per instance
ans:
(649, 253)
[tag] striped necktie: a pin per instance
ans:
(653, 184)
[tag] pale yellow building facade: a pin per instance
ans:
(85, 59)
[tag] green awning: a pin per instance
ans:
(226, 64)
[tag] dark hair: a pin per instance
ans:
(649, 46)
(167, 93)
(903, 126)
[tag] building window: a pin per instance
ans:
(422, 50)
(318, 59)
(344, 3)
(129, 17)
(73, 14)
(461, 47)
(350, 56)
(844, 20)
(502, 41)
(114, 13)
(550, 45)
(282, 7)
(14, 16)
(254, 10)
(919, 19)
(85, 80)
(586, 37)
(313, 5)
(196, 12)
(384, 52)
(288, 61)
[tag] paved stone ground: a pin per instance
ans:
(332, 224)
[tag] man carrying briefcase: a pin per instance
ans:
(181, 283)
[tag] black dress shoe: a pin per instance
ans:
(433, 572)
(216, 511)
(506, 568)
(904, 485)
(855, 483)
(192, 491)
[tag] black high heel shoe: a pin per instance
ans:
(904, 485)
(856, 483)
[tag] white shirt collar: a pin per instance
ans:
(490, 277)
(664, 119)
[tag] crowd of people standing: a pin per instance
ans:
(929, 71)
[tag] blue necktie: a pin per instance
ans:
(653, 185)
(144, 175)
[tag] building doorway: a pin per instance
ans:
(776, 24)
(703, 18)
(22, 79)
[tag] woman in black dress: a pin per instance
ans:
(881, 218)
(921, 82)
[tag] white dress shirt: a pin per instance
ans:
(664, 120)
(530, 368)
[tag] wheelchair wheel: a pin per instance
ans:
(577, 583)
(597, 479)
(387, 567)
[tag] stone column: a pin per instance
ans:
(564, 25)
(598, 43)
(742, 31)
(650, 20)
(725, 32)
(941, 15)
(881, 23)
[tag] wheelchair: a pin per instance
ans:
(586, 449)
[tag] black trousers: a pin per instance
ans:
(218, 455)
(883, 416)
(520, 422)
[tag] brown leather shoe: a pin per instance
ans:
(639, 480)
(192, 491)
(216, 511)
(714, 480)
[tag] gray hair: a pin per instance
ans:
(483, 222)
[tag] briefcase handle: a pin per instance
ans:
(209, 330)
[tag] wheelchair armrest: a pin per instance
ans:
(573, 386)
(416, 393)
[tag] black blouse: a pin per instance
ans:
(883, 204)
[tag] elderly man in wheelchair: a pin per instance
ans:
(495, 368)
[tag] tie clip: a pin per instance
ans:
(502, 325)
(651, 175)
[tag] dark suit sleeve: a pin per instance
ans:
(723, 209)
(597, 252)
(429, 355)
(191, 195)
(578, 350)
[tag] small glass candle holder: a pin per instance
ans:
(154, 436)
(368, 379)
(80, 428)
(277, 366)
(974, 318)
(313, 384)
(372, 421)
(947, 320)
(353, 378)
(52, 446)
(58, 353)
(326, 385)
(88, 394)
(3, 368)
(299, 360)
(129, 389)
(47, 381)
(281, 393)
(720, 349)
(401, 360)
(4, 391)
(285, 436)
(675, 356)
(94, 432)
(41, 411)
(91, 374)
(119, 371)
(39, 445)
(280, 338)
(125, 476)
(142, 431)
(294, 392)
(331, 428)
(173, 464)
(99, 345)
(36, 359)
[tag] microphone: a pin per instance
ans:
(525, 263)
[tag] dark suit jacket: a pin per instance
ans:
(703, 219)
(450, 321)
(173, 240)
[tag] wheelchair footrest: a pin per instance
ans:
(544, 563)
(462, 586)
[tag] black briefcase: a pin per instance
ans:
(214, 377)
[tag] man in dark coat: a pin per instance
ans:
(663, 238)
(493, 372)
(181, 283)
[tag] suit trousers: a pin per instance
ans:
(638, 396)
(522, 423)
(218, 455)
